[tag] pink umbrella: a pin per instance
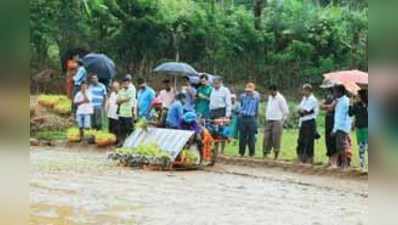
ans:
(350, 79)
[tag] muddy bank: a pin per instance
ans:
(318, 170)
(81, 187)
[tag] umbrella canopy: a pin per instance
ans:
(176, 69)
(101, 65)
(350, 79)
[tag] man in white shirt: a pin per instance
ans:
(276, 114)
(220, 105)
(111, 108)
(308, 111)
(220, 100)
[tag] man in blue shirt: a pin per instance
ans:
(145, 97)
(190, 92)
(98, 92)
(250, 101)
(342, 128)
(175, 113)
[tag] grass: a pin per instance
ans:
(288, 149)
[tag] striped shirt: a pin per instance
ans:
(249, 104)
(80, 76)
(309, 104)
(98, 93)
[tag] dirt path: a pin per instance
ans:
(83, 188)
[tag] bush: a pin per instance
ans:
(104, 139)
(58, 103)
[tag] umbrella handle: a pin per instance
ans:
(175, 84)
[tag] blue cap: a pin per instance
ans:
(190, 117)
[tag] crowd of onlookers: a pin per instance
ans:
(201, 98)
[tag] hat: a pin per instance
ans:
(328, 84)
(128, 77)
(250, 87)
(307, 87)
(190, 117)
(233, 96)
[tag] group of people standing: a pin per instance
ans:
(340, 112)
(201, 99)
(92, 102)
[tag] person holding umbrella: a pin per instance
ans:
(145, 97)
(190, 91)
(202, 103)
(80, 76)
(342, 128)
(328, 105)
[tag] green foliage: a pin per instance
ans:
(145, 154)
(298, 40)
(50, 135)
(148, 150)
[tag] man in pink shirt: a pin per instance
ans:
(167, 94)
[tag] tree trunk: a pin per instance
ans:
(258, 6)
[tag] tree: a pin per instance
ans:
(295, 41)
(258, 6)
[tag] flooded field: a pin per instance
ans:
(72, 187)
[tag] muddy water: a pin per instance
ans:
(83, 188)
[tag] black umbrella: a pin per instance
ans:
(101, 65)
(176, 69)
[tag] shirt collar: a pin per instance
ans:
(341, 98)
(276, 96)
